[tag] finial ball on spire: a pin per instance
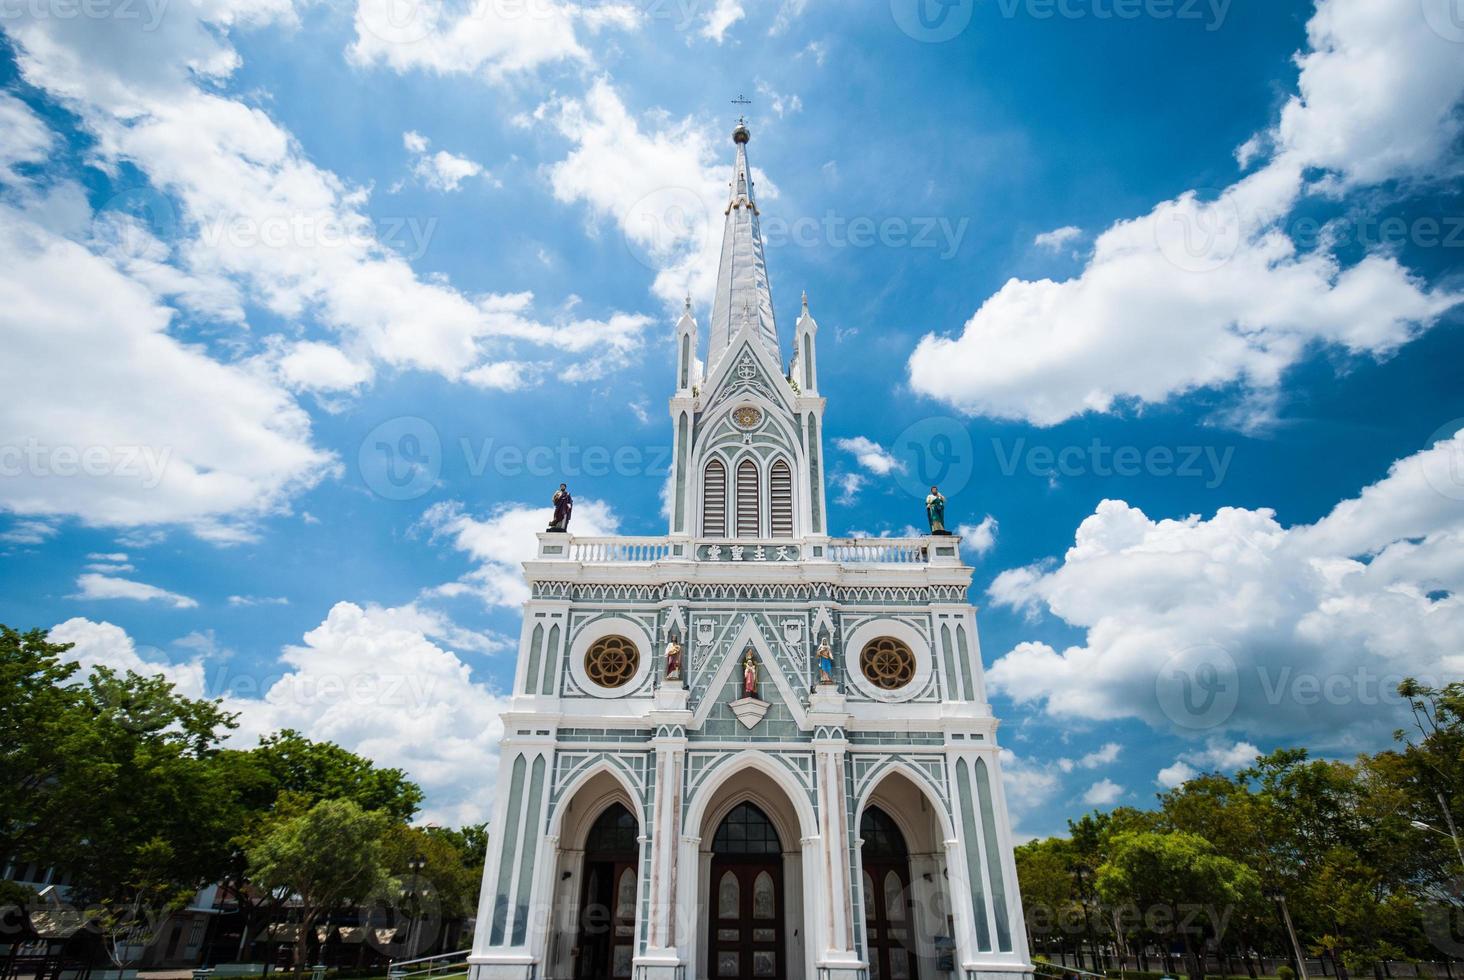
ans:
(740, 132)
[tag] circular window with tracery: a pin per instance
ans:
(746, 417)
(611, 661)
(887, 663)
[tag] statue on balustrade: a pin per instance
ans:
(935, 511)
(563, 506)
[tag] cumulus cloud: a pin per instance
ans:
(29, 532)
(659, 184)
(503, 541)
(232, 445)
(106, 645)
(720, 17)
(1029, 789)
(441, 171)
(374, 680)
(1218, 755)
(1206, 291)
(93, 585)
(1105, 792)
(1203, 625)
(27, 139)
(1055, 240)
(1107, 754)
(486, 37)
(871, 455)
(978, 539)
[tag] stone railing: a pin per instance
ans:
(929, 550)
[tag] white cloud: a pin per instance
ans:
(980, 538)
(1105, 792)
(1175, 775)
(96, 586)
(312, 366)
(722, 15)
(1237, 622)
(779, 104)
(790, 11)
(27, 138)
(849, 485)
(371, 679)
(1218, 755)
(254, 219)
(231, 445)
(1107, 754)
(29, 532)
(1055, 240)
(258, 600)
(1029, 790)
(105, 645)
(1377, 94)
(504, 541)
(871, 455)
(485, 37)
(660, 186)
(441, 171)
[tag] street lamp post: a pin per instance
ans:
(1291, 931)
(415, 866)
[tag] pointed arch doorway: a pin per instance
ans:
(889, 917)
(746, 938)
(605, 939)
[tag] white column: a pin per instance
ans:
(660, 955)
(836, 942)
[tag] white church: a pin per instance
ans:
(746, 749)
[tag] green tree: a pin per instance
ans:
(1179, 884)
(327, 857)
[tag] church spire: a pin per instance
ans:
(743, 291)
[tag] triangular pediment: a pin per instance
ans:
(746, 369)
(774, 685)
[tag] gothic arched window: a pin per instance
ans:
(781, 497)
(747, 502)
(714, 500)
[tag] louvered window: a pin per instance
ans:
(714, 500)
(782, 500)
(747, 499)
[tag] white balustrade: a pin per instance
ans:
(845, 551)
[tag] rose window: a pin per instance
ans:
(611, 661)
(887, 663)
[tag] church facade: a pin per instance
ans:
(747, 750)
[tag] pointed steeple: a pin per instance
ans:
(743, 291)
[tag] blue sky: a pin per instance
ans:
(1179, 282)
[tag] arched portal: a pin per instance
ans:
(592, 934)
(889, 910)
(908, 913)
(752, 819)
(747, 938)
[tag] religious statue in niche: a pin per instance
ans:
(935, 511)
(673, 658)
(825, 658)
(749, 675)
(563, 506)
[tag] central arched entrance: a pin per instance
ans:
(746, 935)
